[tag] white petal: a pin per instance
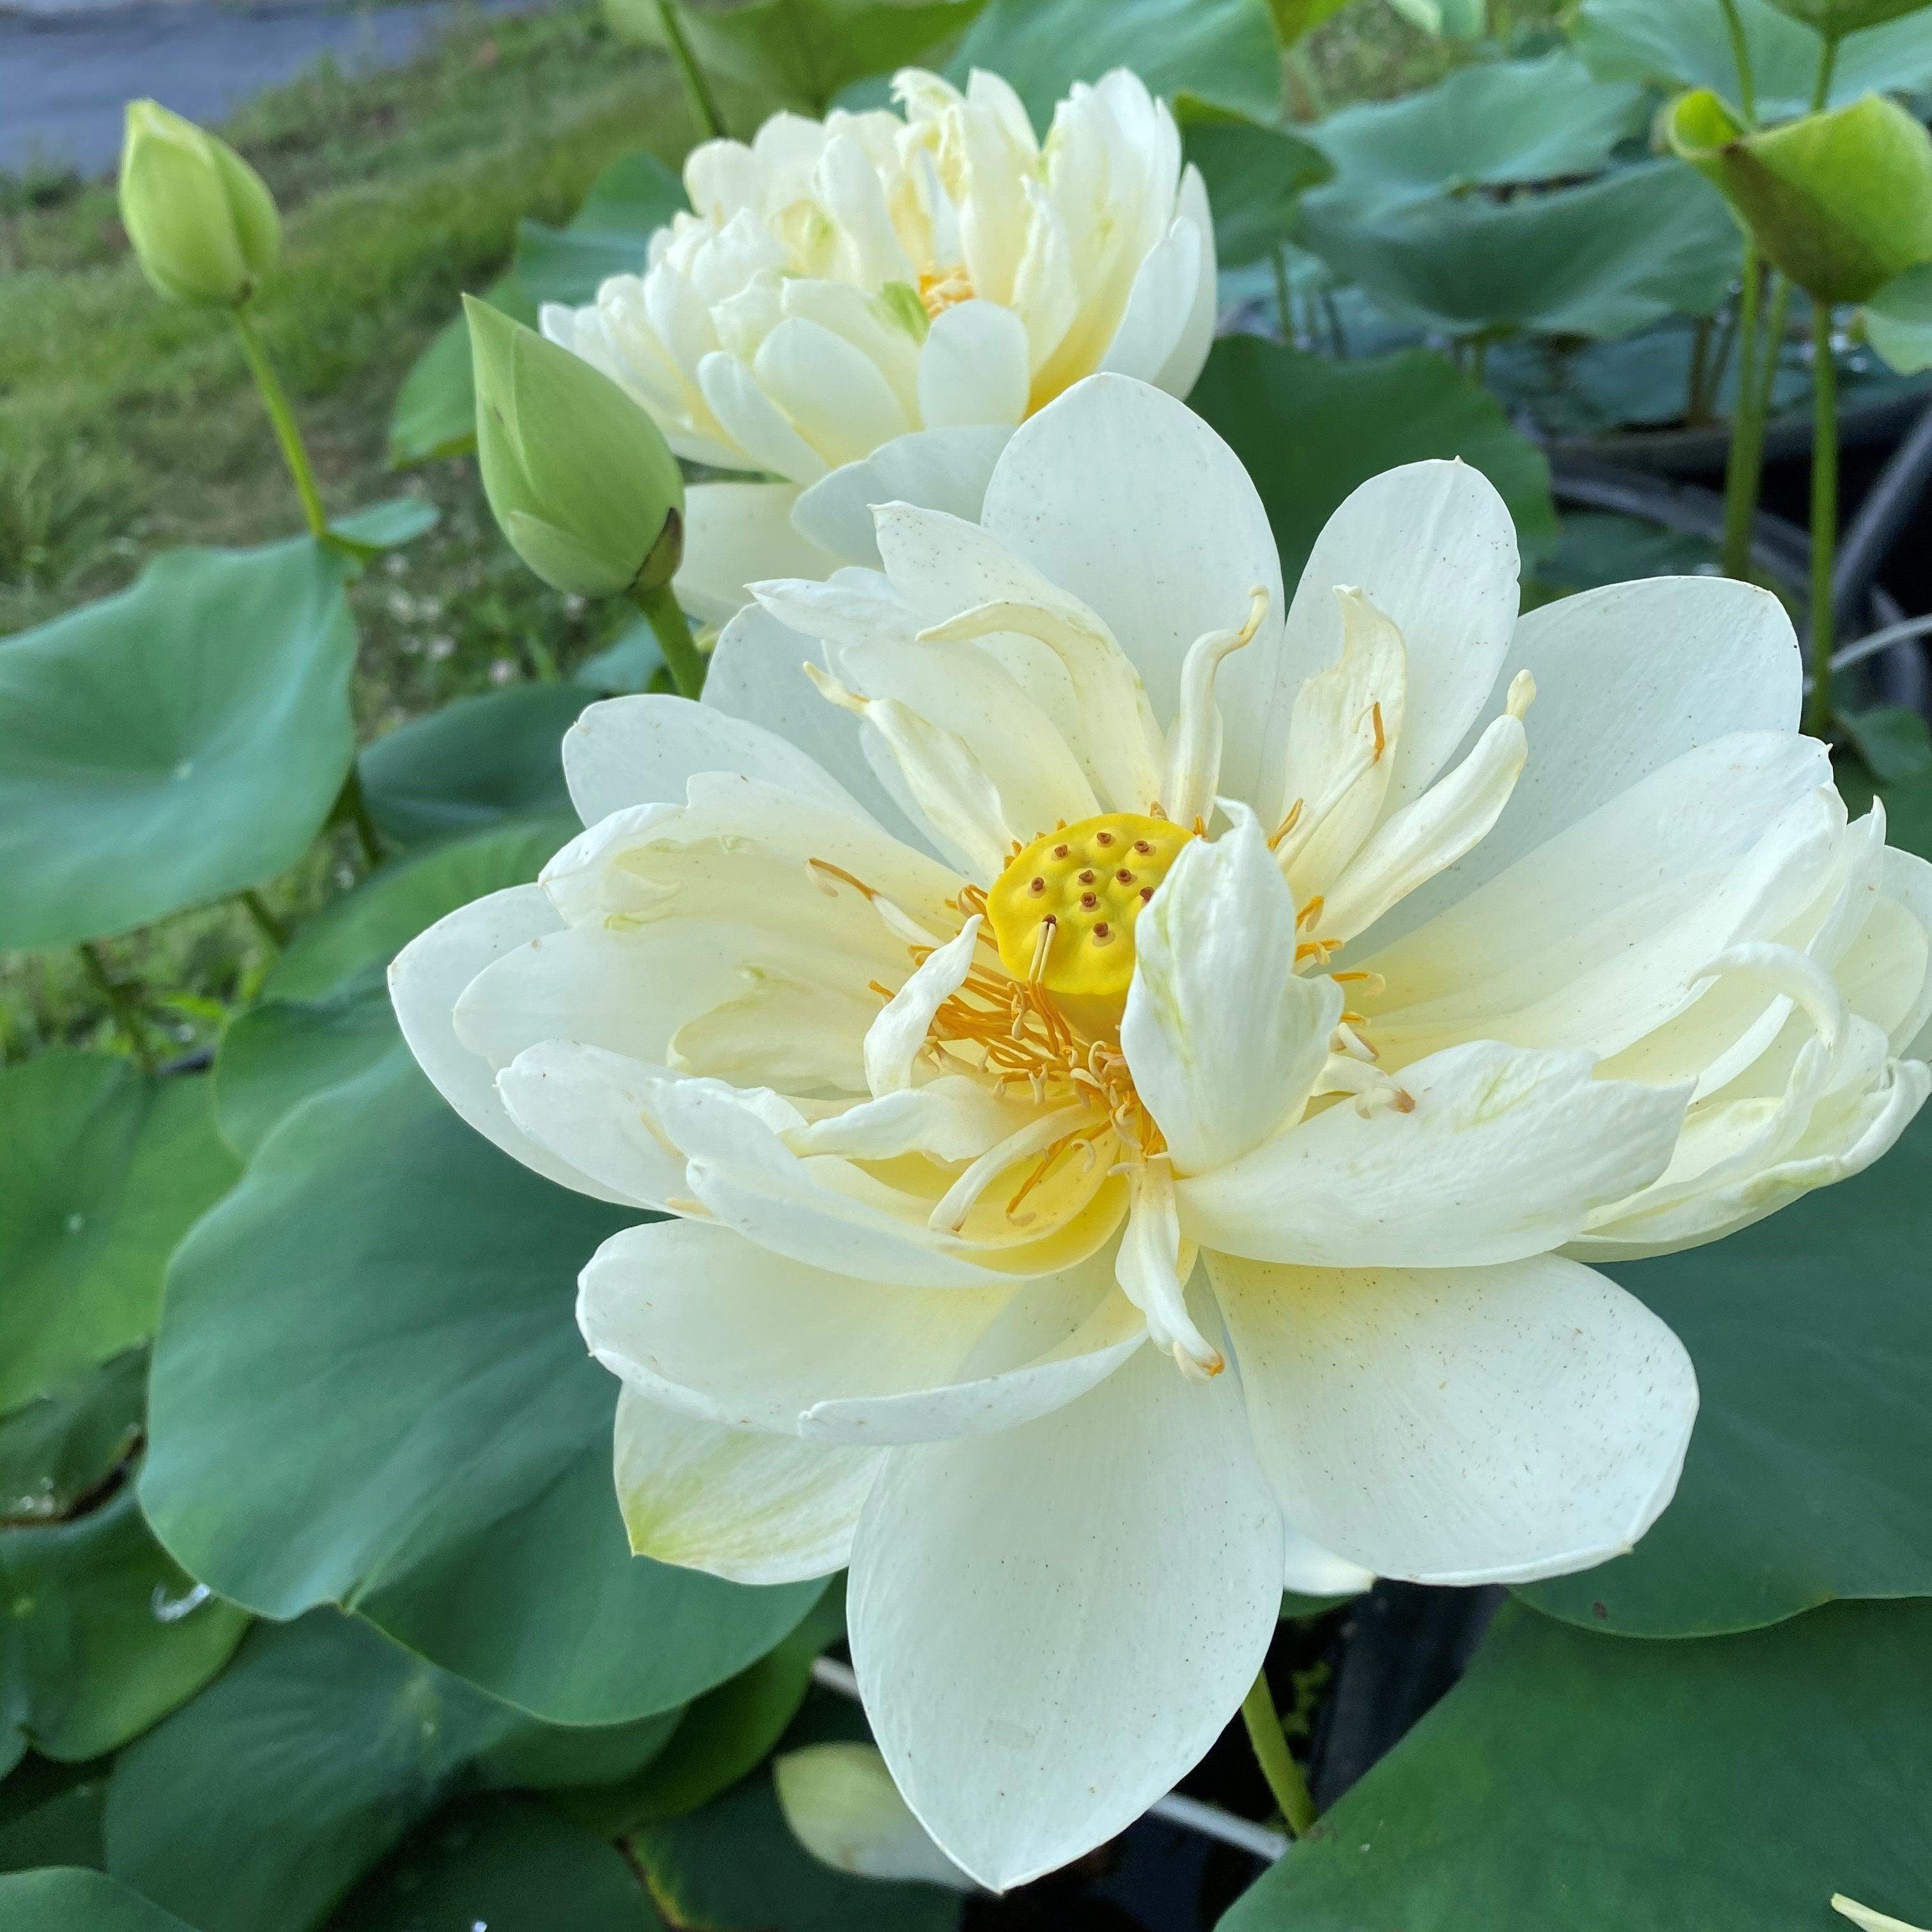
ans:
(1502, 1156)
(592, 1108)
(751, 1507)
(893, 1041)
(1628, 678)
(1225, 1040)
(1183, 368)
(644, 750)
(1431, 545)
(973, 367)
(755, 423)
(1050, 1625)
(938, 469)
(1125, 499)
(734, 534)
(428, 978)
(1601, 935)
(833, 393)
(1313, 1571)
(1477, 1425)
(757, 673)
(1160, 306)
(843, 1807)
(1430, 832)
(711, 1324)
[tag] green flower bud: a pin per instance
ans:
(1840, 201)
(202, 221)
(580, 479)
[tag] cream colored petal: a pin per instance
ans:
(1629, 678)
(756, 672)
(1160, 307)
(938, 469)
(832, 393)
(1179, 373)
(842, 1806)
(1126, 500)
(1431, 544)
(645, 749)
(895, 1039)
(972, 368)
(1024, 1604)
(427, 980)
(1224, 1039)
(752, 1508)
(755, 423)
(735, 533)
(1468, 1426)
(1501, 1155)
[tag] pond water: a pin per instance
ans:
(68, 67)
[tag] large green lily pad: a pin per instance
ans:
(368, 1389)
(173, 744)
(506, 1864)
(1598, 1785)
(479, 762)
(1223, 52)
(1488, 124)
(103, 1169)
(1310, 429)
(68, 1898)
(1602, 260)
(254, 1808)
(1812, 1334)
(104, 1632)
(1672, 45)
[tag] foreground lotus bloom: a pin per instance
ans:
(1138, 1065)
(864, 307)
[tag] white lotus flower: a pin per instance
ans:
(863, 307)
(1133, 1071)
(843, 1807)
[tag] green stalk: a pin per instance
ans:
(272, 929)
(1284, 302)
(1740, 54)
(1828, 62)
(1824, 517)
(674, 636)
(1303, 69)
(274, 400)
(127, 1015)
(1746, 452)
(703, 102)
(351, 805)
(1276, 1761)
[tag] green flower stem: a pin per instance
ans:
(1740, 53)
(674, 636)
(127, 1014)
(1284, 301)
(272, 929)
(1276, 1761)
(1824, 517)
(703, 102)
(1828, 62)
(274, 400)
(1303, 69)
(1746, 454)
(351, 805)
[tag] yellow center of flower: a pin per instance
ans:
(939, 289)
(1063, 912)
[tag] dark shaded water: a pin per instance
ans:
(68, 67)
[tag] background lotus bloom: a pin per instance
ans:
(1134, 1059)
(911, 286)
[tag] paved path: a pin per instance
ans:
(68, 67)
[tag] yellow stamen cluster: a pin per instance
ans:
(1063, 911)
(940, 289)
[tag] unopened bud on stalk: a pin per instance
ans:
(202, 221)
(579, 479)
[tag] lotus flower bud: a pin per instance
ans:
(202, 221)
(580, 479)
(1840, 201)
